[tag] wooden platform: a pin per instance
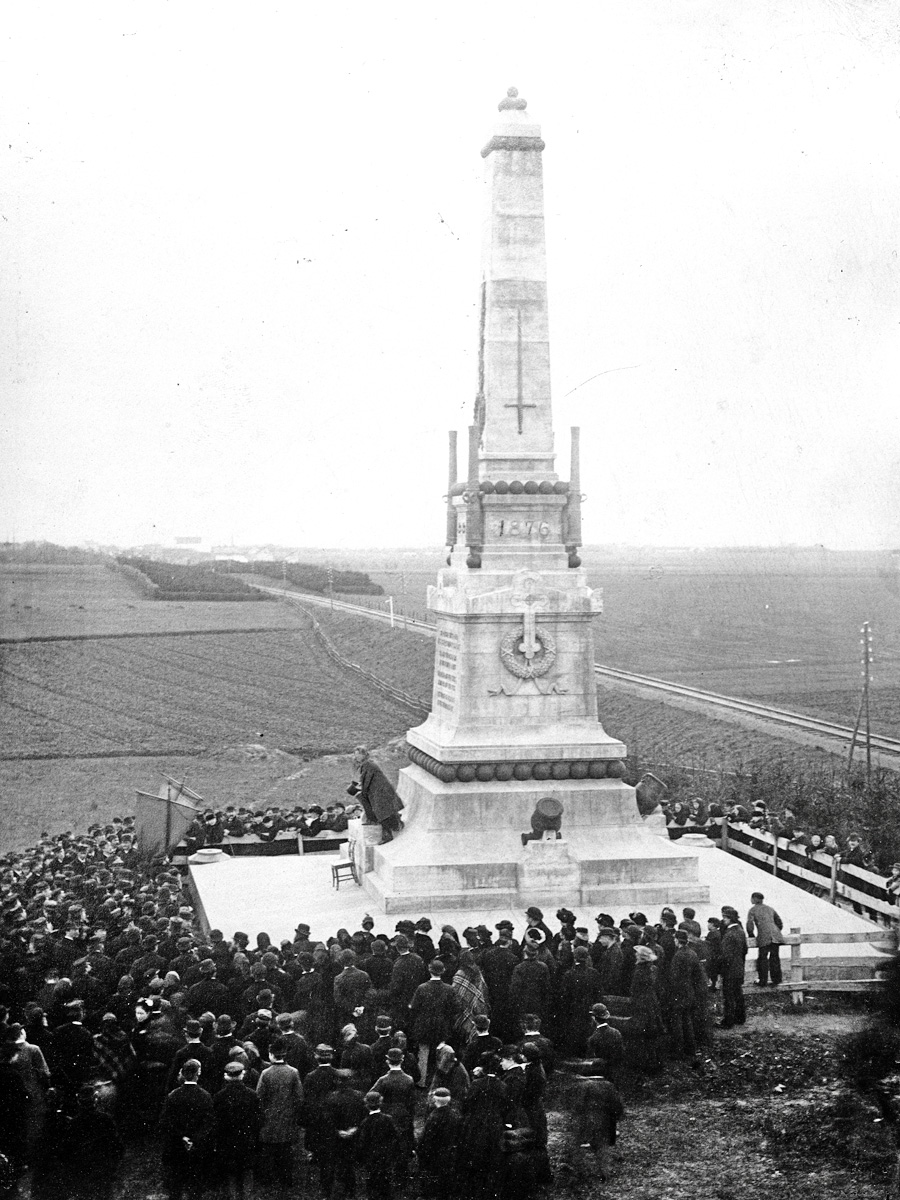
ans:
(275, 894)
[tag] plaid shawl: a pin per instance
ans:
(472, 994)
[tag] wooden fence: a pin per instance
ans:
(858, 887)
(417, 705)
(884, 941)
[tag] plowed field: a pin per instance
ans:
(170, 694)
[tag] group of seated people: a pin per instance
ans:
(697, 814)
(214, 827)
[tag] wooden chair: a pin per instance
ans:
(343, 870)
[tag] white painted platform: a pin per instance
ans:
(275, 894)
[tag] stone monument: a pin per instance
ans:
(514, 719)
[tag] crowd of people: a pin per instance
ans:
(695, 813)
(372, 1051)
(375, 801)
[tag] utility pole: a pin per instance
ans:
(331, 585)
(866, 660)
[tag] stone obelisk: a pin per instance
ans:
(513, 745)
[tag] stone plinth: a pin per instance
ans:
(547, 871)
(462, 848)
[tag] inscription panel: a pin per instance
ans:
(446, 675)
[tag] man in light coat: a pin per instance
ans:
(764, 923)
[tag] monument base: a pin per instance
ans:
(462, 849)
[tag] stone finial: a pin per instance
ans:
(511, 100)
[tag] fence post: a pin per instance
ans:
(796, 971)
(832, 890)
(725, 833)
(775, 855)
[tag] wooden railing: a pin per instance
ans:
(834, 881)
(884, 941)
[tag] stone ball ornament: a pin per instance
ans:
(503, 772)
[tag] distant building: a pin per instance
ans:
(189, 545)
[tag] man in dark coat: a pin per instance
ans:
(597, 1108)
(186, 1126)
(606, 1045)
(480, 1043)
(345, 1111)
(320, 1128)
(734, 954)
(398, 1093)
(530, 986)
(207, 994)
(73, 1050)
(437, 1150)
(606, 956)
(497, 965)
(433, 1012)
(193, 1048)
(685, 982)
(237, 1124)
(580, 990)
(381, 804)
(349, 989)
(408, 972)
(377, 965)
(484, 1113)
(378, 1149)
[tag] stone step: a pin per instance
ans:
(651, 893)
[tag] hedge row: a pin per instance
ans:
(194, 582)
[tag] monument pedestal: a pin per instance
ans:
(462, 849)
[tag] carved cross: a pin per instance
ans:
(520, 404)
(529, 595)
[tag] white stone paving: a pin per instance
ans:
(274, 894)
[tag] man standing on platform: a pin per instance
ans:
(381, 804)
(764, 922)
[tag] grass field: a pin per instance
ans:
(90, 600)
(183, 693)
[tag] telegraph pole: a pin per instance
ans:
(866, 660)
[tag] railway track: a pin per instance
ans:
(781, 716)
(801, 722)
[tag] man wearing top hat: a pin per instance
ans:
(381, 804)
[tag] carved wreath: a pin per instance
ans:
(522, 667)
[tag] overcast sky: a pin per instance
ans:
(240, 265)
